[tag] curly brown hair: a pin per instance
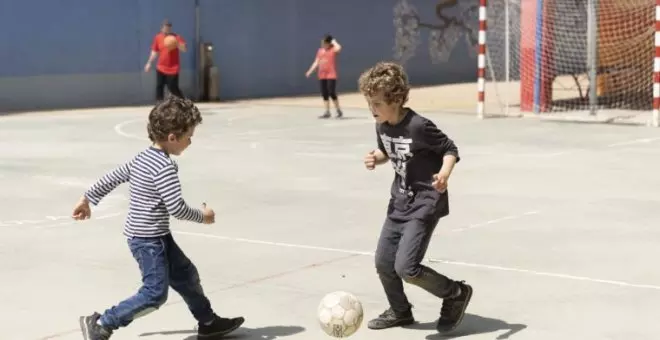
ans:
(173, 115)
(388, 79)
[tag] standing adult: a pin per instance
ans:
(169, 64)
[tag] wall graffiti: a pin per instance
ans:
(453, 20)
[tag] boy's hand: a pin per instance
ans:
(370, 160)
(440, 181)
(82, 211)
(209, 215)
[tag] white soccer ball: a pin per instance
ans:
(340, 314)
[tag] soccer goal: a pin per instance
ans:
(581, 58)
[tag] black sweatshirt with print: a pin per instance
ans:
(415, 147)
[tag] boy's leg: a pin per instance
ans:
(412, 248)
(326, 97)
(399, 312)
(160, 86)
(151, 257)
(184, 279)
(332, 91)
(173, 85)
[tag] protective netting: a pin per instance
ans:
(538, 57)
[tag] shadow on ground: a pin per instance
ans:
(471, 325)
(243, 333)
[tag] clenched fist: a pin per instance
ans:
(209, 214)
(370, 160)
(440, 181)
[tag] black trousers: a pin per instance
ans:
(401, 249)
(172, 82)
(328, 88)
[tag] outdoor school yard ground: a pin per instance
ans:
(554, 224)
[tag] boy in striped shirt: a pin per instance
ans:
(155, 195)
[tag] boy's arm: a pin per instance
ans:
(168, 185)
(152, 55)
(313, 67)
(448, 162)
(380, 153)
(441, 144)
(336, 46)
(181, 43)
(107, 183)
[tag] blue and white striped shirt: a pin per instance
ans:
(155, 193)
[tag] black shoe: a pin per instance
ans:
(219, 327)
(389, 319)
(325, 115)
(91, 330)
(340, 114)
(453, 309)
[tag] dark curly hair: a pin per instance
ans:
(173, 115)
(388, 79)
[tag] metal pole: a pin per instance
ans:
(592, 54)
(481, 60)
(655, 118)
(506, 56)
(197, 55)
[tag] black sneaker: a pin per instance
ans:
(219, 327)
(325, 115)
(453, 309)
(389, 319)
(340, 114)
(91, 330)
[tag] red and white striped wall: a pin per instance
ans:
(656, 69)
(481, 75)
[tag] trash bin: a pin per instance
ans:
(209, 76)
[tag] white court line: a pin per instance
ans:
(430, 260)
(329, 155)
(119, 129)
(269, 243)
(556, 275)
(38, 223)
(296, 128)
(120, 126)
(497, 220)
(633, 142)
(100, 217)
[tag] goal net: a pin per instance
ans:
(574, 57)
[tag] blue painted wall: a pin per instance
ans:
(82, 53)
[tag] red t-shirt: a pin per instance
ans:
(168, 61)
(327, 63)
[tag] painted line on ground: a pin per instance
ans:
(497, 220)
(66, 220)
(119, 129)
(633, 142)
(430, 260)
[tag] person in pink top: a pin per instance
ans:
(326, 62)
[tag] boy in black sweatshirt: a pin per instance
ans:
(423, 158)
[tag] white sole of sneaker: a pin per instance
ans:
(83, 327)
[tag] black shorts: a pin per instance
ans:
(329, 88)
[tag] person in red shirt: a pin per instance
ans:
(327, 72)
(167, 68)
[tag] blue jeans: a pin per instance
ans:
(163, 265)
